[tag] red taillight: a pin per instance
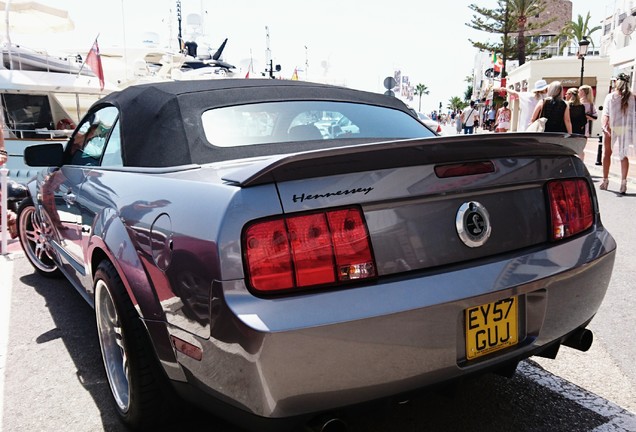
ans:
(308, 250)
(267, 245)
(312, 251)
(571, 209)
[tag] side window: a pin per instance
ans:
(87, 144)
(112, 155)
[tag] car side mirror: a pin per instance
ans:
(44, 155)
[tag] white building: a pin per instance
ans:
(617, 40)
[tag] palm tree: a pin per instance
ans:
(420, 90)
(522, 10)
(456, 103)
(578, 30)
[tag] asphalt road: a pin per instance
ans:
(53, 378)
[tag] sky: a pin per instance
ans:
(348, 42)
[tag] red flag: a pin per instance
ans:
(94, 61)
(497, 64)
(247, 75)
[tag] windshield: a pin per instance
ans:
(293, 121)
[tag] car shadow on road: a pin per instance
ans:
(73, 323)
(486, 403)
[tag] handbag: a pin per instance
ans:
(539, 124)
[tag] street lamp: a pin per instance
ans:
(583, 44)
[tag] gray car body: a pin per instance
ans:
(174, 236)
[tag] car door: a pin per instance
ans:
(71, 213)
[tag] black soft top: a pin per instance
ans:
(161, 123)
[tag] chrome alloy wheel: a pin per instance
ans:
(112, 343)
(34, 236)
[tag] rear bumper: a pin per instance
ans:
(315, 352)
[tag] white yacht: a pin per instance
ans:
(40, 106)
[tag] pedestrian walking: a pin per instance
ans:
(554, 108)
(527, 102)
(577, 111)
(619, 129)
(458, 122)
(469, 116)
(492, 113)
(587, 99)
(502, 120)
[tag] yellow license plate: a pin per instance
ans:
(491, 327)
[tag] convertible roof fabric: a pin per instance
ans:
(161, 124)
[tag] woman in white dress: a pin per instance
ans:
(619, 129)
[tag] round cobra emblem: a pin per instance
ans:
(473, 224)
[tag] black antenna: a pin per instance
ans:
(179, 36)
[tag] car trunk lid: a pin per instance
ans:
(427, 203)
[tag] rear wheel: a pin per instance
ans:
(34, 233)
(131, 367)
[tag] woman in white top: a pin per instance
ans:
(619, 129)
(527, 102)
(468, 116)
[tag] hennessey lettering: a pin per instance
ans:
(306, 197)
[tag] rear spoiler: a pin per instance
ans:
(403, 153)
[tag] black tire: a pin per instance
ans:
(131, 366)
(34, 234)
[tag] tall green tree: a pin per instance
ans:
(510, 17)
(579, 30)
(468, 94)
(420, 90)
(494, 21)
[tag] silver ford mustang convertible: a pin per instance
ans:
(278, 250)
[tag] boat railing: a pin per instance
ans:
(39, 133)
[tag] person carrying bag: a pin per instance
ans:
(538, 125)
(554, 110)
(469, 118)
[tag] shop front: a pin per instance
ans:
(597, 74)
